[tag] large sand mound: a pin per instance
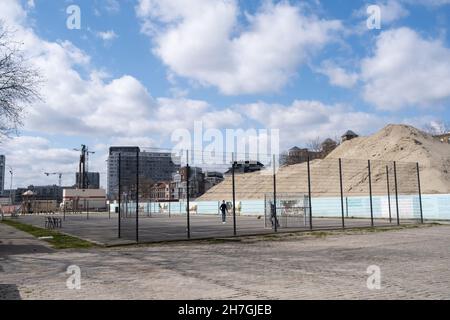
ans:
(404, 144)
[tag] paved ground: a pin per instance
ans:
(13, 242)
(414, 264)
(101, 229)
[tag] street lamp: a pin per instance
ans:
(11, 171)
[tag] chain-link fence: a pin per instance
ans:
(162, 195)
(196, 195)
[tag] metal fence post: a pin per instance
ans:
(342, 193)
(309, 194)
(137, 197)
(265, 210)
(234, 195)
(187, 196)
(346, 207)
(275, 194)
(396, 192)
(152, 208)
(370, 191)
(420, 193)
(120, 195)
(126, 205)
(389, 194)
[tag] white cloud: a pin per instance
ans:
(97, 105)
(143, 142)
(12, 12)
(31, 4)
(305, 120)
(204, 41)
(74, 105)
(429, 3)
(260, 56)
(183, 112)
(392, 10)
(406, 69)
(298, 122)
(112, 6)
(107, 36)
(338, 76)
(30, 157)
(93, 107)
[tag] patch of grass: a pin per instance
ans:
(272, 237)
(224, 240)
(59, 240)
(391, 228)
(320, 234)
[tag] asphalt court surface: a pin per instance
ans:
(104, 230)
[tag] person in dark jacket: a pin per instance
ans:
(224, 210)
(273, 216)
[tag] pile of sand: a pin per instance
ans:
(404, 144)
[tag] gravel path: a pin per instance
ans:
(414, 264)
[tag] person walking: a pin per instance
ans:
(224, 210)
(273, 216)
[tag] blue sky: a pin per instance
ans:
(138, 70)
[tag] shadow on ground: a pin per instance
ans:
(16, 249)
(9, 292)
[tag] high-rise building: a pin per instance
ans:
(92, 180)
(127, 174)
(153, 167)
(2, 174)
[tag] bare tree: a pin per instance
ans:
(437, 128)
(337, 139)
(284, 158)
(146, 186)
(314, 145)
(19, 83)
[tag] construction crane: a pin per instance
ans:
(87, 159)
(83, 166)
(59, 174)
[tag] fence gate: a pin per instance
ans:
(292, 210)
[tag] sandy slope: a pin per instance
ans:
(404, 144)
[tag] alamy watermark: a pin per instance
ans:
(374, 17)
(374, 279)
(73, 21)
(73, 282)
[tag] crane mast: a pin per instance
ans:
(83, 182)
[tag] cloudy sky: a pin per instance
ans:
(137, 70)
